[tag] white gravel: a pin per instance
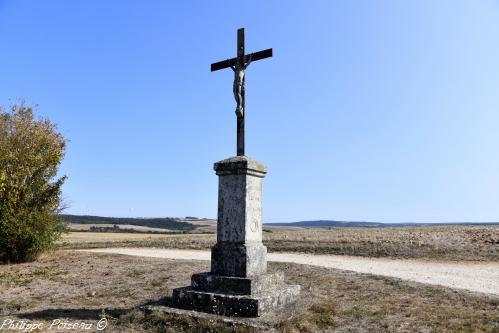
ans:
(474, 276)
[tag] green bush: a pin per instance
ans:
(30, 195)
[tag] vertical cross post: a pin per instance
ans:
(240, 120)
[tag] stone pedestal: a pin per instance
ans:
(238, 284)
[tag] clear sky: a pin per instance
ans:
(369, 110)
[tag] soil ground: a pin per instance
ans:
(80, 286)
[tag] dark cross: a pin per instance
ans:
(239, 65)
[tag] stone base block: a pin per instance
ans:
(235, 305)
(238, 259)
(236, 285)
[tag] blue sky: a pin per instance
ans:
(369, 110)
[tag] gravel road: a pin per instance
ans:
(474, 276)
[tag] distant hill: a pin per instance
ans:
(360, 224)
(163, 222)
(328, 223)
(193, 223)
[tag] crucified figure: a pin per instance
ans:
(238, 87)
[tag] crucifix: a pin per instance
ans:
(238, 283)
(239, 65)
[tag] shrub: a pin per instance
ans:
(30, 195)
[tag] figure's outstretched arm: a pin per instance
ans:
(248, 63)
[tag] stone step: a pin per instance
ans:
(236, 285)
(235, 305)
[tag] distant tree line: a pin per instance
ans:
(160, 222)
(116, 228)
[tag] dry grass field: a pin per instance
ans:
(80, 286)
(446, 243)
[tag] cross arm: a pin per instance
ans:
(232, 62)
(223, 64)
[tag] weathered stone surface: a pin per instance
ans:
(236, 285)
(239, 200)
(238, 259)
(236, 305)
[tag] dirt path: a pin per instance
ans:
(474, 276)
